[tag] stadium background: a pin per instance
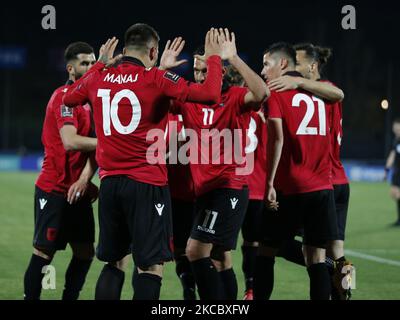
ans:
(364, 65)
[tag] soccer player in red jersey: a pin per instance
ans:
(310, 63)
(299, 182)
(130, 101)
(256, 149)
(63, 191)
(182, 202)
(221, 193)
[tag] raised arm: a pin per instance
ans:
(258, 90)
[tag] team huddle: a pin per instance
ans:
(186, 166)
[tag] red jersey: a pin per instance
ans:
(256, 148)
(215, 167)
(338, 173)
(305, 164)
(130, 106)
(61, 168)
(179, 176)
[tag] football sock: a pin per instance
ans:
(249, 265)
(109, 285)
(75, 277)
(33, 277)
(185, 275)
(230, 286)
(320, 282)
(292, 251)
(147, 286)
(264, 278)
(208, 280)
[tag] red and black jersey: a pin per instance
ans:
(305, 164)
(179, 176)
(256, 153)
(61, 168)
(130, 105)
(216, 163)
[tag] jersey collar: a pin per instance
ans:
(293, 74)
(132, 60)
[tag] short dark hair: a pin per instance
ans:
(199, 51)
(139, 35)
(75, 48)
(316, 53)
(284, 49)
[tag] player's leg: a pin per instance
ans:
(114, 241)
(277, 227)
(250, 230)
(222, 260)
(148, 212)
(48, 213)
(395, 194)
(320, 226)
(220, 216)
(335, 249)
(80, 230)
(182, 217)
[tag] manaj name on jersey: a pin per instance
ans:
(121, 78)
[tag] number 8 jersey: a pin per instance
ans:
(305, 164)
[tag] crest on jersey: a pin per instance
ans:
(171, 76)
(66, 112)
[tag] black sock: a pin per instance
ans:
(398, 210)
(292, 251)
(320, 283)
(208, 280)
(230, 285)
(264, 278)
(185, 275)
(75, 277)
(110, 282)
(147, 286)
(33, 277)
(249, 265)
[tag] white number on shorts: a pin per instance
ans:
(208, 116)
(110, 111)
(214, 215)
(304, 129)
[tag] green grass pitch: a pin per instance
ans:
(369, 232)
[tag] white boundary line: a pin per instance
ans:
(372, 258)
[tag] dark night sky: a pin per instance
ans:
(362, 62)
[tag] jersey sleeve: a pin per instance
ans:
(274, 107)
(173, 86)
(78, 93)
(63, 114)
(239, 94)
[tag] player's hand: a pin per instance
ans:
(212, 46)
(106, 54)
(171, 52)
(284, 83)
(77, 190)
(270, 199)
(228, 44)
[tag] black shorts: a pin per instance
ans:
(396, 178)
(342, 196)
(251, 227)
(57, 222)
(219, 217)
(314, 212)
(135, 218)
(182, 218)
